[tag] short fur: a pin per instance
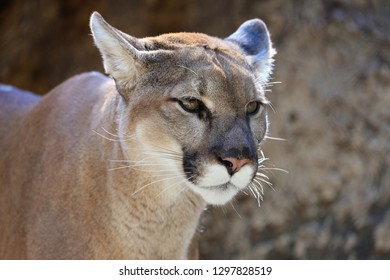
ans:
(117, 167)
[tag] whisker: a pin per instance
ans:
(145, 164)
(274, 168)
(105, 137)
(163, 154)
(173, 185)
(118, 168)
(182, 66)
(164, 174)
(272, 83)
(235, 210)
(186, 187)
(274, 138)
(263, 180)
(145, 160)
(244, 192)
(164, 151)
(154, 182)
(256, 193)
(251, 190)
(258, 184)
(148, 164)
(137, 167)
(110, 139)
(272, 107)
(109, 133)
(268, 183)
(262, 175)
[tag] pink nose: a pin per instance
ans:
(234, 164)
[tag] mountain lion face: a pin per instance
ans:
(193, 104)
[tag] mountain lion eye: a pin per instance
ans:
(252, 107)
(191, 105)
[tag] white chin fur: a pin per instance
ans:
(209, 187)
(216, 195)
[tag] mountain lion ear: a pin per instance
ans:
(254, 40)
(121, 52)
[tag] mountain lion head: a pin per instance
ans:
(193, 106)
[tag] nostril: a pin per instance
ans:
(227, 163)
(232, 164)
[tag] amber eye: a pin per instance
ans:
(191, 105)
(252, 107)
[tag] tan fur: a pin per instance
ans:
(63, 191)
(63, 202)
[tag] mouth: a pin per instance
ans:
(216, 195)
(216, 186)
(224, 187)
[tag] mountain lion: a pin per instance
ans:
(121, 167)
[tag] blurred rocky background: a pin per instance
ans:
(332, 109)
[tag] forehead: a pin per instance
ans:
(222, 77)
(205, 67)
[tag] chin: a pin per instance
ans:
(216, 195)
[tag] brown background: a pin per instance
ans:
(332, 107)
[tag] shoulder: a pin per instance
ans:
(14, 99)
(89, 83)
(93, 78)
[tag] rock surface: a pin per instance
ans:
(332, 109)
